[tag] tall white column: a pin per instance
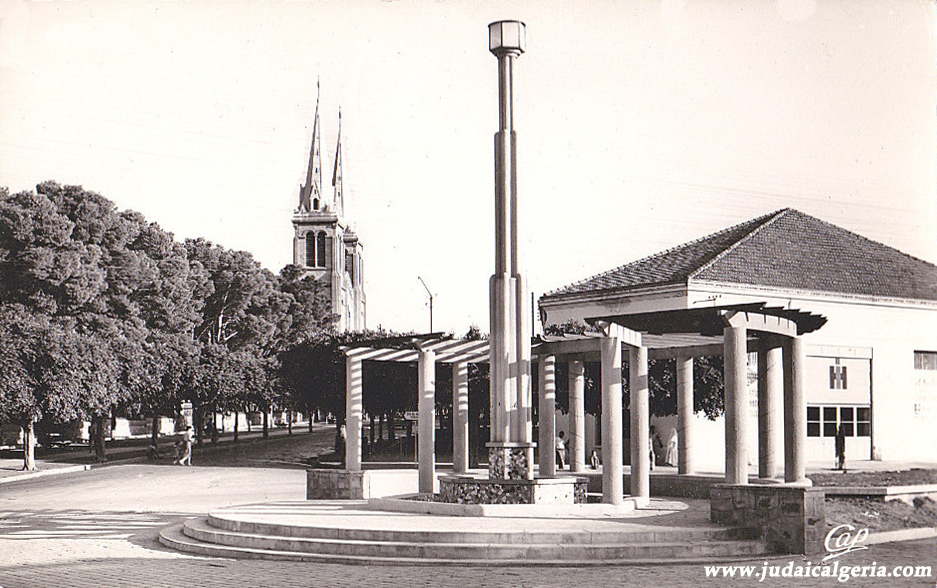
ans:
(353, 402)
(736, 404)
(795, 411)
(426, 373)
(510, 342)
(770, 391)
(612, 471)
(460, 410)
(547, 438)
(640, 423)
(577, 417)
(685, 440)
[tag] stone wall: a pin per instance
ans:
(333, 484)
(510, 462)
(792, 518)
(469, 490)
(336, 484)
(665, 484)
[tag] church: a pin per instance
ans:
(324, 244)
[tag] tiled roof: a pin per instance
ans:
(786, 249)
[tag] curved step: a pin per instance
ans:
(231, 522)
(197, 536)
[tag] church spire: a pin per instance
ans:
(310, 195)
(339, 198)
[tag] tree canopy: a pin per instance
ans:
(103, 312)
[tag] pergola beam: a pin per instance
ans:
(716, 349)
(763, 323)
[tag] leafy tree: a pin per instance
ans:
(708, 388)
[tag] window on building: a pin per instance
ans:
(824, 421)
(813, 421)
(310, 250)
(847, 419)
(829, 421)
(350, 265)
(925, 360)
(863, 421)
(320, 249)
(837, 377)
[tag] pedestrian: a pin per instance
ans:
(594, 459)
(653, 441)
(672, 446)
(560, 452)
(840, 448)
(186, 458)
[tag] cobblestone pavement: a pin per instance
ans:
(99, 529)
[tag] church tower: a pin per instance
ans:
(323, 243)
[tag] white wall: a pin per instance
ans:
(892, 330)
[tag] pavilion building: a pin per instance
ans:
(871, 369)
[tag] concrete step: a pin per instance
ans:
(236, 523)
(198, 536)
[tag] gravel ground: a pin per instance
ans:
(897, 478)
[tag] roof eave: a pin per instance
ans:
(610, 293)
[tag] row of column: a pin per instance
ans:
(780, 371)
(426, 430)
(781, 363)
(612, 446)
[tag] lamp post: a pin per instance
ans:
(430, 303)
(509, 357)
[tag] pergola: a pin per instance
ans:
(425, 350)
(774, 333)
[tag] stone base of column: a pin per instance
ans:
(511, 461)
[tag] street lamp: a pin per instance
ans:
(430, 303)
(507, 35)
(509, 349)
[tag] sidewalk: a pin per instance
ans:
(81, 457)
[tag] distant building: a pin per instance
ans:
(872, 368)
(323, 243)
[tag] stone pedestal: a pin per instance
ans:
(472, 490)
(511, 461)
(792, 518)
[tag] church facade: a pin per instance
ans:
(324, 244)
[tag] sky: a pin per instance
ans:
(641, 125)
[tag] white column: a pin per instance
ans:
(685, 440)
(795, 411)
(547, 410)
(577, 417)
(769, 418)
(589, 435)
(612, 471)
(524, 428)
(353, 399)
(640, 422)
(460, 408)
(426, 373)
(736, 404)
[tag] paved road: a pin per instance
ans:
(98, 529)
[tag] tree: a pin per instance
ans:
(42, 372)
(240, 311)
(709, 396)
